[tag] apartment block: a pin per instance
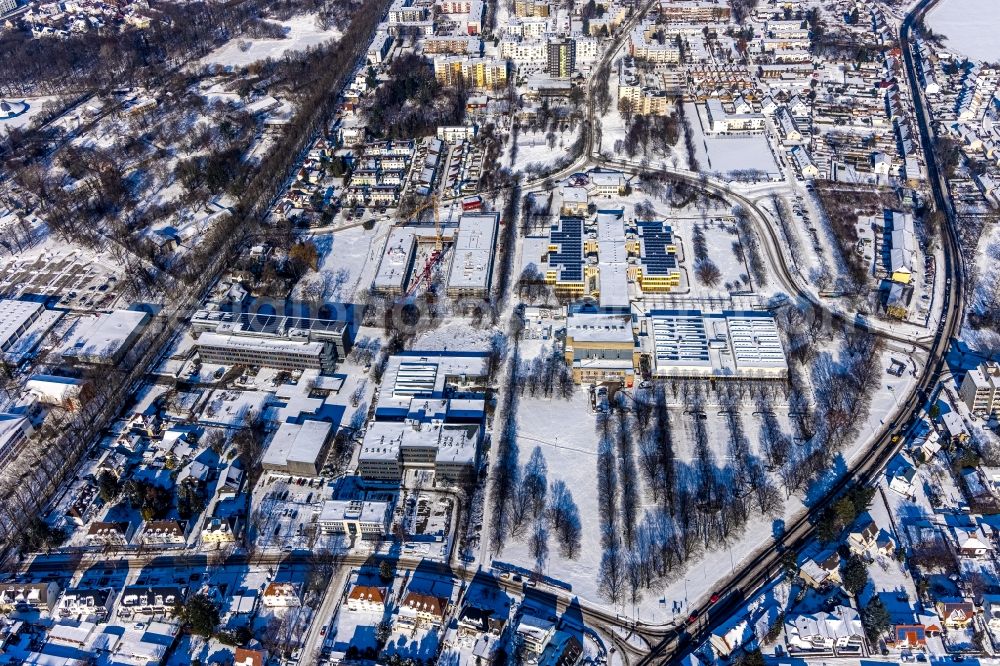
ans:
(980, 389)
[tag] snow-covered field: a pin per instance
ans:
(348, 260)
(534, 152)
(969, 27)
(302, 32)
(724, 154)
(35, 105)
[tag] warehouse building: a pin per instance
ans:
(692, 343)
(106, 339)
(298, 448)
(16, 317)
(472, 264)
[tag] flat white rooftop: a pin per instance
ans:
(425, 374)
(362, 511)
(397, 259)
(612, 258)
(294, 443)
(599, 327)
(106, 335)
(15, 317)
(472, 264)
(730, 343)
(245, 342)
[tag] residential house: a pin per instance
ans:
(910, 636)
(956, 614)
(281, 595)
(151, 601)
(248, 657)
(861, 539)
(954, 427)
(838, 632)
(164, 533)
(366, 599)
(971, 542)
(421, 609)
(102, 533)
(25, 597)
(991, 611)
(885, 545)
(87, 602)
(902, 481)
(822, 570)
(219, 530)
(475, 622)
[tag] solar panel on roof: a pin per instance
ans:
(655, 236)
(568, 235)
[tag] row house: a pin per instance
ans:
(87, 603)
(27, 597)
(104, 533)
(151, 601)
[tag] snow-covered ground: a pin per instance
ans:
(348, 260)
(969, 27)
(302, 33)
(535, 153)
(725, 154)
(35, 106)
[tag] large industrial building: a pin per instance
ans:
(429, 415)
(472, 257)
(692, 343)
(298, 448)
(106, 339)
(15, 318)
(451, 450)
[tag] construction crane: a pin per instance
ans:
(431, 201)
(438, 253)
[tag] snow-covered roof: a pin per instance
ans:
(15, 317)
(297, 443)
(603, 327)
(106, 337)
(472, 264)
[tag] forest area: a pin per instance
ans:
(178, 34)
